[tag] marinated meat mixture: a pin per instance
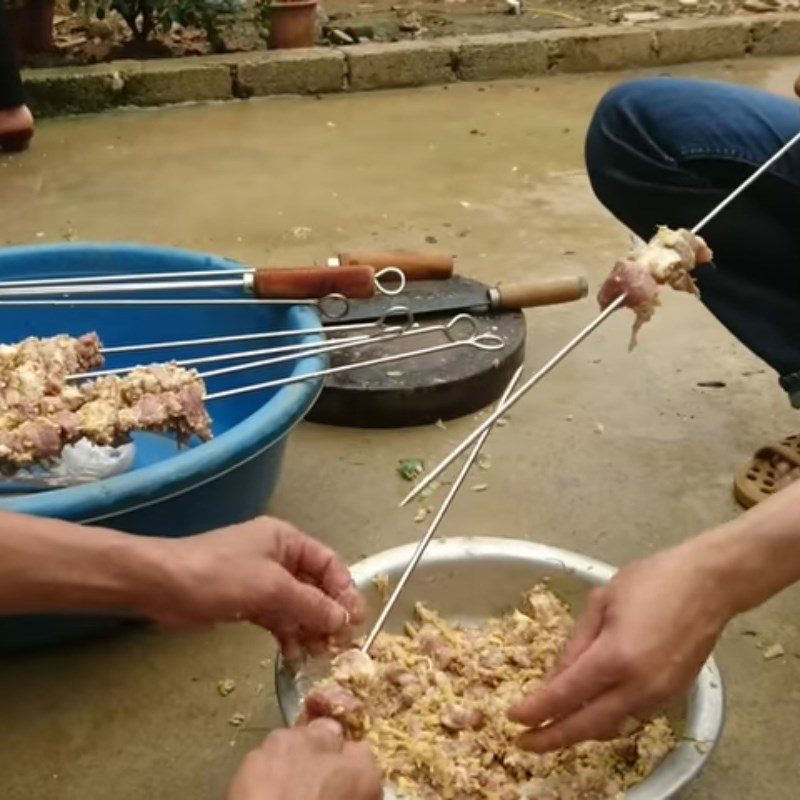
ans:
(432, 704)
(668, 258)
(37, 367)
(41, 411)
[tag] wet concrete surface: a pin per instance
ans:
(138, 715)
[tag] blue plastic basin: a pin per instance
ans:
(169, 492)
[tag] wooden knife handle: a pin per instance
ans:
(516, 296)
(415, 266)
(314, 282)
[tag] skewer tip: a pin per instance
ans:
(407, 499)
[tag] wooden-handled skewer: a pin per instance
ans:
(415, 266)
(530, 294)
(311, 282)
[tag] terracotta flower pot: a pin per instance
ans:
(31, 25)
(292, 23)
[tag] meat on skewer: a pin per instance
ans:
(40, 413)
(37, 367)
(668, 258)
(160, 398)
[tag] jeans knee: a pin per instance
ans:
(618, 118)
(623, 129)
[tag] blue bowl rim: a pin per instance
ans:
(191, 468)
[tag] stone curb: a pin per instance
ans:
(76, 90)
(160, 83)
(392, 66)
(313, 71)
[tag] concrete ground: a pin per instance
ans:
(139, 716)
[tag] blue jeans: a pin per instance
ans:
(664, 151)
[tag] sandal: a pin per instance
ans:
(768, 471)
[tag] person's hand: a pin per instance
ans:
(312, 763)
(264, 571)
(642, 641)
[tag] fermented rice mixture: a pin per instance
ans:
(433, 705)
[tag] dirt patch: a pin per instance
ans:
(80, 40)
(430, 18)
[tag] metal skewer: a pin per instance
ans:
(425, 541)
(142, 276)
(399, 311)
(483, 341)
(332, 306)
(285, 352)
(746, 184)
(503, 408)
(582, 335)
(462, 326)
(166, 282)
(121, 288)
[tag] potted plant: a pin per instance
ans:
(30, 24)
(291, 23)
(147, 18)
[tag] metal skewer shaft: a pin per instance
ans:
(515, 397)
(253, 337)
(450, 329)
(138, 301)
(129, 276)
(246, 280)
(484, 341)
(332, 306)
(131, 301)
(582, 335)
(277, 355)
(425, 541)
(309, 353)
(237, 338)
(121, 288)
(295, 351)
(747, 183)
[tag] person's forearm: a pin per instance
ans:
(757, 555)
(49, 565)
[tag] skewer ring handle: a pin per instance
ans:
(397, 311)
(390, 281)
(333, 306)
(462, 328)
(488, 341)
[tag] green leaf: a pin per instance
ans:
(411, 468)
